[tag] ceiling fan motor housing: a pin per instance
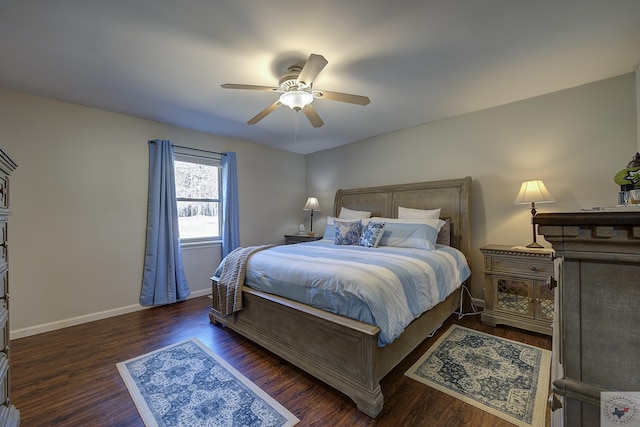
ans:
(290, 80)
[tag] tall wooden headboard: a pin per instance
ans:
(452, 196)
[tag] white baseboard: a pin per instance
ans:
(48, 327)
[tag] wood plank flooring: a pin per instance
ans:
(68, 377)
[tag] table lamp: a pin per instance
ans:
(311, 205)
(533, 192)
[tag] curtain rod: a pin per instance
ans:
(199, 149)
(196, 149)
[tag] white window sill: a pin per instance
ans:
(200, 244)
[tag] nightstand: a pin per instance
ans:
(519, 287)
(290, 239)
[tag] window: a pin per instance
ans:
(198, 196)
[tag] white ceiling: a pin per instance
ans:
(418, 61)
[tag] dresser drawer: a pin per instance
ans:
(4, 284)
(535, 266)
(4, 329)
(4, 190)
(4, 378)
(3, 242)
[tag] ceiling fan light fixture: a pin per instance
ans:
(296, 99)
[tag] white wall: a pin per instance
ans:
(575, 140)
(79, 193)
(79, 199)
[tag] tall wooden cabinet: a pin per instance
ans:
(597, 318)
(9, 415)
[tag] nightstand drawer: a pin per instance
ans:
(536, 266)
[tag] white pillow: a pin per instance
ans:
(347, 213)
(332, 219)
(435, 223)
(418, 213)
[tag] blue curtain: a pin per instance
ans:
(163, 279)
(230, 211)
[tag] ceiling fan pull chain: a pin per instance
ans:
(295, 131)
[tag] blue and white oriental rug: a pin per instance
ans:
(186, 384)
(508, 379)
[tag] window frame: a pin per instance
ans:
(181, 154)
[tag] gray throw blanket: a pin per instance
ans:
(229, 285)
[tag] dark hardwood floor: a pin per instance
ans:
(68, 377)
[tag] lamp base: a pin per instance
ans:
(535, 245)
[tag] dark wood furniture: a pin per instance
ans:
(9, 415)
(518, 287)
(291, 239)
(339, 351)
(597, 321)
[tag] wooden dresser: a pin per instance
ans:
(9, 415)
(597, 319)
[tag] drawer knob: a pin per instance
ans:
(533, 268)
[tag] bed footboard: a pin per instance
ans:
(339, 351)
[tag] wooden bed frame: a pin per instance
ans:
(339, 351)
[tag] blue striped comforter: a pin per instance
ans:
(384, 286)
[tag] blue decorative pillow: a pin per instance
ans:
(347, 232)
(372, 234)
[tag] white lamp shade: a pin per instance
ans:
(533, 191)
(296, 99)
(312, 204)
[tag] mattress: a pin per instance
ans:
(384, 286)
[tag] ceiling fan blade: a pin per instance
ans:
(262, 114)
(342, 97)
(313, 116)
(311, 69)
(250, 87)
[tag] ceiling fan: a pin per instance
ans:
(297, 91)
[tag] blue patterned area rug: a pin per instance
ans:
(186, 384)
(505, 378)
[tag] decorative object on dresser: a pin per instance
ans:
(519, 287)
(597, 321)
(311, 205)
(533, 192)
(629, 180)
(9, 415)
(290, 239)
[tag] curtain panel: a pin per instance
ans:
(230, 211)
(163, 280)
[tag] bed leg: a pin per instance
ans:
(370, 401)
